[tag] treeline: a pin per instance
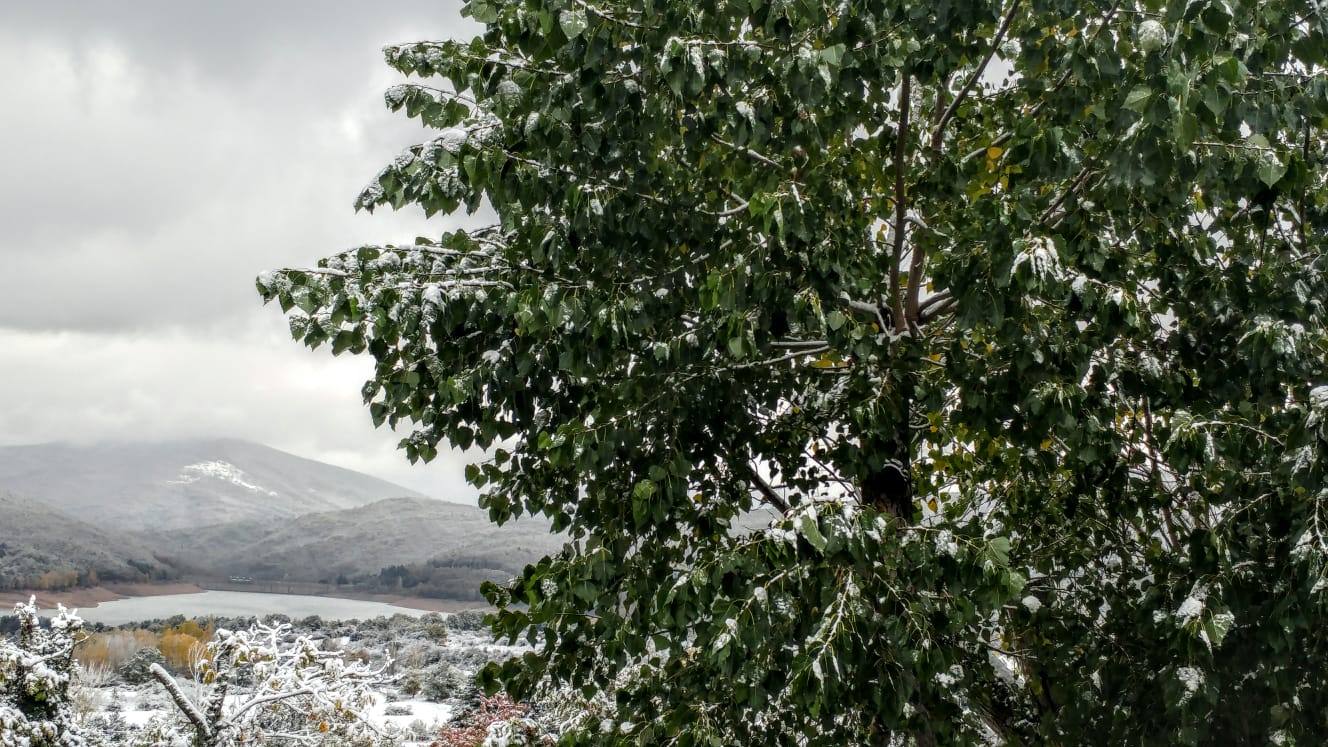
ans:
(26, 568)
(440, 578)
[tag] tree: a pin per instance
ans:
(35, 674)
(1011, 313)
(261, 687)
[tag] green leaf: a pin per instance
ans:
(573, 22)
(736, 346)
(1270, 168)
(808, 528)
(1138, 98)
(1187, 129)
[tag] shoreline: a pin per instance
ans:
(91, 597)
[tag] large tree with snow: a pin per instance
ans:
(1010, 311)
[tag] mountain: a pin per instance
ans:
(42, 548)
(181, 484)
(359, 541)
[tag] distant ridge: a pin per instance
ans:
(361, 540)
(182, 484)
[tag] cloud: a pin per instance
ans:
(158, 155)
(164, 384)
(145, 188)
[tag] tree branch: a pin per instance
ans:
(934, 299)
(897, 252)
(938, 309)
(1078, 182)
(182, 701)
(996, 40)
(766, 491)
(264, 700)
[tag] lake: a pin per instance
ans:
(237, 604)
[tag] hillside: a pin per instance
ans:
(360, 541)
(42, 548)
(181, 484)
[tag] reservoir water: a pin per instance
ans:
(237, 604)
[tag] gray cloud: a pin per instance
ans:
(158, 155)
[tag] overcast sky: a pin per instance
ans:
(155, 156)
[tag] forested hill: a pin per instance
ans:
(211, 509)
(358, 542)
(43, 549)
(180, 484)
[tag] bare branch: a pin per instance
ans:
(934, 299)
(1078, 182)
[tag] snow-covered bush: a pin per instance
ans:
(35, 674)
(434, 627)
(419, 654)
(266, 684)
(442, 681)
(138, 669)
(466, 620)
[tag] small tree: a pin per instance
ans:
(260, 687)
(36, 671)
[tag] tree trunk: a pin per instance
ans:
(888, 486)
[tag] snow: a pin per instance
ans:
(218, 470)
(1040, 255)
(453, 139)
(1152, 36)
(949, 677)
(1032, 603)
(1190, 609)
(1006, 668)
(141, 718)
(432, 714)
(946, 544)
(1191, 679)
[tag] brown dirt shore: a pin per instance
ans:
(92, 596)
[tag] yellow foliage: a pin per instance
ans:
(113, 648)
(177, 649)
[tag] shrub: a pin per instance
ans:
(35, 674)
(442, 681)
(474, 728)
(466, 620)
(137, 670)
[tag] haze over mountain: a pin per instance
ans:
(183, 484)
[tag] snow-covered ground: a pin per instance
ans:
(430, 685)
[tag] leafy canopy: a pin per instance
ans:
(1007, 317)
